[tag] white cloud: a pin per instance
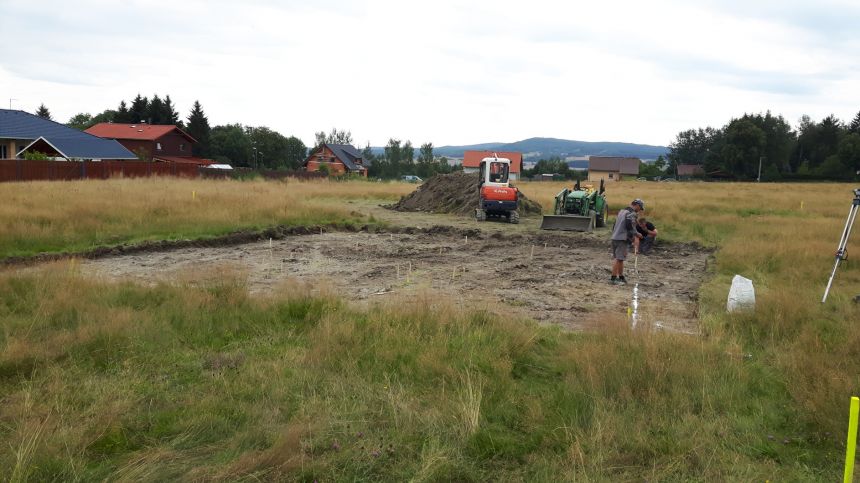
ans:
(441, 72)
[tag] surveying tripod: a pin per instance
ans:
(843, 243)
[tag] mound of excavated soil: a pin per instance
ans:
(453, 193)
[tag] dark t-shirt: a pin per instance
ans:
(650, 227)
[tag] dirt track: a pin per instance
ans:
(552, 277)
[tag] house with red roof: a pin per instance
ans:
(165, 143)
(472, 161)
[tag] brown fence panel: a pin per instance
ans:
(8, 170)
(34, 170)
(63, 170)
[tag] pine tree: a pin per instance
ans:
(155, 112)
(43, 112)
(138, 110)
(123, 115)
(367, 154)
(855, 124)
(170, 115)
(198, 128)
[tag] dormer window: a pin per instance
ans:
(158, 146)
(182, 146)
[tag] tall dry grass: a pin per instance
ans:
(783, 237)
(57, 216)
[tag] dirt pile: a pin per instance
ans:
(453, 193)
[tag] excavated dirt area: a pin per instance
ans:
(454, 193)
(555, 278)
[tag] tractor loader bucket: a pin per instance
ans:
(567, 223)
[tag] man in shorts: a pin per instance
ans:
(623, 233)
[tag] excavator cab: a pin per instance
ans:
(498, 199)
(498, 171)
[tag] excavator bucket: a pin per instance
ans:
(567, 223)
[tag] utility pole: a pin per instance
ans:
(758, 180)
(10, 103)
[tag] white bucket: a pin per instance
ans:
(741, 295)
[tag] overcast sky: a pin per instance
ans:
(440, 71)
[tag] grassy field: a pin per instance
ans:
(76, 216)
(203, 381)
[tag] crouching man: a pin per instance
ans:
(649, 234)
(623, 234)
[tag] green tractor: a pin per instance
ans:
(579, 209)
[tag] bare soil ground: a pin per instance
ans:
(555, 278)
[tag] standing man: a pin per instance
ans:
(649, 235)
(623, 233)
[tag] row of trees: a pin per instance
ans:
(235, 144)
(398, 159)
(257, 147)
(555, 166)
(141, 110)
(260, 147)
(829, 149)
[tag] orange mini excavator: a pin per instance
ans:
(497, 197)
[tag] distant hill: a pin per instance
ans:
(537, 148)
(545, 148)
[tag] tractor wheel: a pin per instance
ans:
(480, 215)
(514, 217)
(602, 217)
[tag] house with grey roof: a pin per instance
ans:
(22, 132)
(337, 159)
(612, 168)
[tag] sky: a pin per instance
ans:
(445, 72)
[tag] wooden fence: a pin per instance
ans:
(34, 170)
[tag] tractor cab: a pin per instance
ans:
(582, 208)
